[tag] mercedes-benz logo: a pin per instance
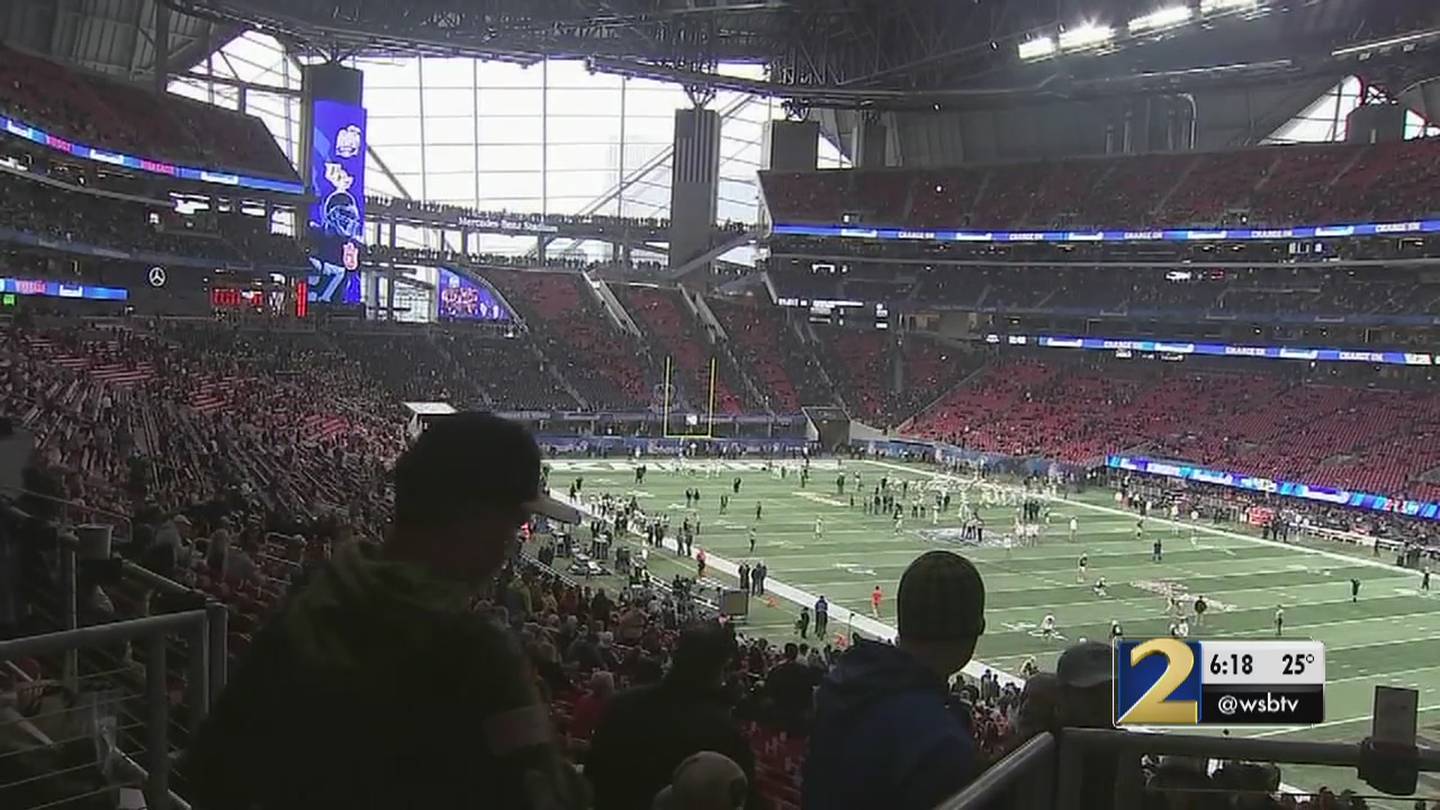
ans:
(157, 277)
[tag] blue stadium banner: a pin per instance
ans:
(1409, 228)
(59, 289)
(1426, 510)
(1183, 347)
(36, 135)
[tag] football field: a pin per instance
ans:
(1390, 636)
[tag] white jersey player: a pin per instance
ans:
(1047, 626)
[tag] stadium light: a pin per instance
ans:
(1037, 48)
(1164, 18)
(1216, 6)
(1085, 36)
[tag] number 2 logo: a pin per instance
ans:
(1153, 706)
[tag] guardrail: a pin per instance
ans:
(107, 715)
(1052, 771)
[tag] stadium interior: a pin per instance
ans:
(1129, 308)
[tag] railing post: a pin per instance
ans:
(1067, 794)
(1038, 789)
(1129, 779)
(197, 676)
(157, 719)
(69, 611)
(217, 621)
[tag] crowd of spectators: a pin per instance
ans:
(1263, 186)
(380, 203)
(607, 366)
(1244, 291)
(780, 361)
(125, 117)
(1378, 440)
(481, 261)
(68, 213)
(277, 492)
(884, 379)
(701, 375)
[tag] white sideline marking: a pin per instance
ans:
(839, 614)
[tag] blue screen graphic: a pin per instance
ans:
(337, 212)
(461, 299)
(36, 135)
(1425, 510)
(58, 289)
(1419, 226)
(1319, 355)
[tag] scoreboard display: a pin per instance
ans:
(1170, 682)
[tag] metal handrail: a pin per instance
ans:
(1294, 752)
(1125, 748)
(94, 635)
(152, 630)
(1033, 760)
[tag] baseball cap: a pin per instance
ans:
(472, 457)
(941, 598)
(1085, 665)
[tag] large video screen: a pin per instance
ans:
(337, 213)
(462, 299)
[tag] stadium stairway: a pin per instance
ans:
(720, 340)
(450, 359)
(612, 305)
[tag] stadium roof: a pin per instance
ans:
(116, 37)
(865, 53)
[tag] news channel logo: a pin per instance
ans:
(1170, 682)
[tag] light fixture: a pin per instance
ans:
(1085, 36)
(1216, 6)
(1161, 19)
(1038, 48)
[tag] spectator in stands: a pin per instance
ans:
(705, 781)
(790, 688)
(375, 686)
(884, 734)
(1085, 674)
(591, 705)
(1037, 706)
(649, 731)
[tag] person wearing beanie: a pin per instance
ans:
(885, 734)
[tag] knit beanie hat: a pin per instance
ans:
(942, 598)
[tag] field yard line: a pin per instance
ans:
(1114, 581)
(1328, 723)
(1144, 566)
(1110, 510)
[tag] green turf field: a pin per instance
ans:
(1391, 636)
